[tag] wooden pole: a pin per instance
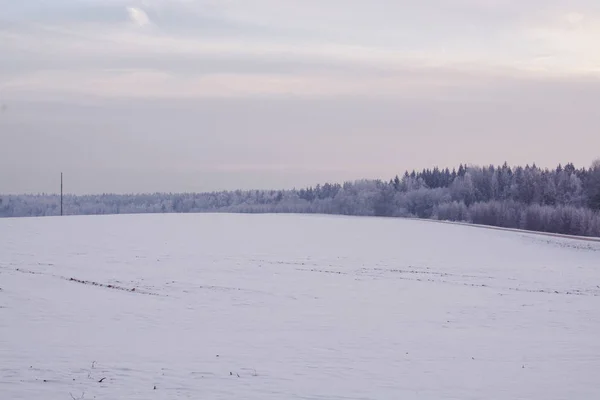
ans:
(61, 193)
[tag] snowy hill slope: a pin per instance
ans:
(293, 307)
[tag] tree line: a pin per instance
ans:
(562, 200)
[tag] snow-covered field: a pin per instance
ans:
(293, 307)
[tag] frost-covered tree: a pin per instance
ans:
(562, 200)
(593, 186)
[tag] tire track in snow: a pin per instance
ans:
(89, 283)
(403, 274)
(109, 286)
(572, 292)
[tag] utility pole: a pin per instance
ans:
(61, 194)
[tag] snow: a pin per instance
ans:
(293, 307)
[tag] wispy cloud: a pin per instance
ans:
(570, 41)
(138, 16)
(307, 47)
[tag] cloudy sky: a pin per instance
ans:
(194, 95)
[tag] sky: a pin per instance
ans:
(200, 95)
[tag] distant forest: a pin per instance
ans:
(564, 200)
